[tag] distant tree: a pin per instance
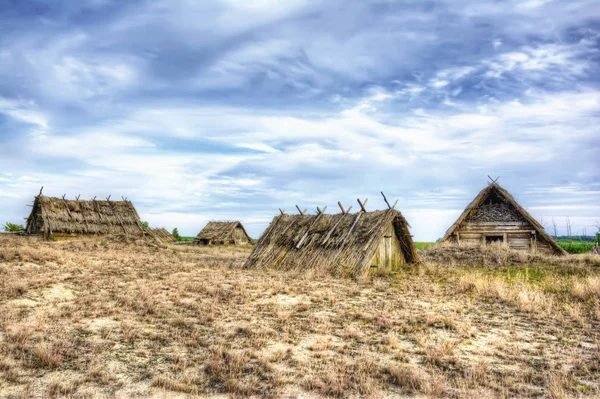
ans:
(569, 227)
(12, 228)
(554, 228)
(543, 222)
(145, 225)
(176, 234)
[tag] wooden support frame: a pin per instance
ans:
(358, 215)
(302, 212)
(308, 231)
(363, 205)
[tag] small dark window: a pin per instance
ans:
(492, 239)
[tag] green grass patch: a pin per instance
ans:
(577, 247)
(424, 245)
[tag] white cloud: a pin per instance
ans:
(26, 112)
(265, 104)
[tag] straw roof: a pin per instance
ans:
(341, 243)
(56, 215)
(219, 231)
(509, 199)
(163, 235)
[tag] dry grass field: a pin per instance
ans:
(132, 319)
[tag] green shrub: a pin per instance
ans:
(176, 234)
(12, 228)
(145, 225)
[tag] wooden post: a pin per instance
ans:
(348, 234)
(308, 231)
(386, 201)
(301, 213)
(281, 211)
(341, 207)
(458, 238)
(505, 239)
(363, 204)
(330, 232)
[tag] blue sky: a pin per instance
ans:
(231, 109)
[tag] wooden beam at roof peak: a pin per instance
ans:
(492, 180)
(341, 207)
(299, 210)
(386, 201)
(281, 211)
(363, 205)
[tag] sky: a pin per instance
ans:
(229, 110)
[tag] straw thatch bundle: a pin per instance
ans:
(495, 212)
(223, 233)
(56, 216)
(163, 235)
(342, 243)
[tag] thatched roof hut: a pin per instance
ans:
(346, 243)
(163, 235)
(223, 233)
(60, 217)
(495, 216)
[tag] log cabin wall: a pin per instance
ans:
(495, 220)
(495, 216)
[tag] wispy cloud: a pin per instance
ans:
(231, 110)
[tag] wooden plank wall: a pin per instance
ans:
(389, 255)
(517, 234)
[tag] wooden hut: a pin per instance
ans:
(494, 216)
(61, 218)
(349, 244)
(163, 235)
(223, 233)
